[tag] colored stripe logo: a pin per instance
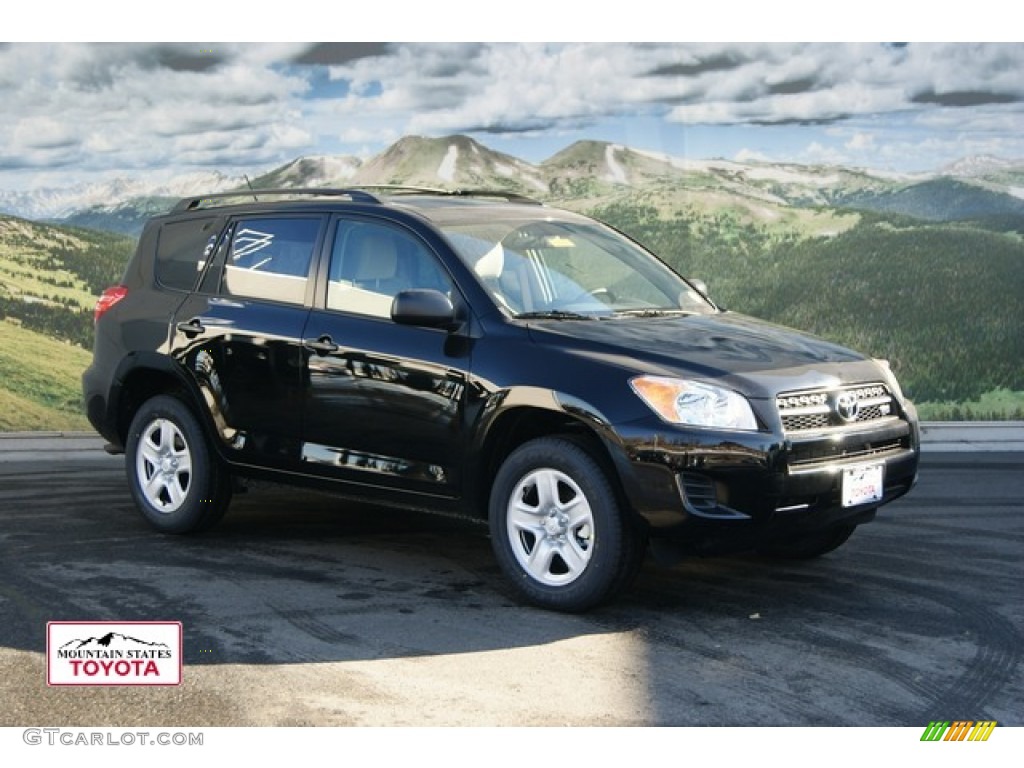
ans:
(958, 730)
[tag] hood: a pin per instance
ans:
(757, 358)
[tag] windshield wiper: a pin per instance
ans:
(651, 312)
(553, 314)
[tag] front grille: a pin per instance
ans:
(838, 408)
(800, 422)
(817, 453)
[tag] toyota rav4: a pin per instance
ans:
(487, 355)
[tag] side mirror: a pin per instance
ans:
(424, 308)
(699, 284)
(702, 288)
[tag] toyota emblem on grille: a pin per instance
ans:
(847, 406)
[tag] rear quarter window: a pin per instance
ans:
(183, 249)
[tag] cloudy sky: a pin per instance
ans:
(79, 112)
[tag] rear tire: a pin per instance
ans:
(177, 482)
(557, 528)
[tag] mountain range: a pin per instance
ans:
(584, 175)
(925, 270)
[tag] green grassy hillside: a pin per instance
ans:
(50, 276)
(49, 280)
(41, 381)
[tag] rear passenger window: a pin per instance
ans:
(183, 249)
(269, 258)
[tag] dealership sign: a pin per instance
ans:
(113, 653)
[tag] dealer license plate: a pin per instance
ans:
(862, 484)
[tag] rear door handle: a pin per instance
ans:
(323, 346)
(192, 328)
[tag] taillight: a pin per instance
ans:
(109, 298)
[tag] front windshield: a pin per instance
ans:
(569, 268)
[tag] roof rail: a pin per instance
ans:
(195, 203)
(406, 189)
(356, 194)
(512, 197)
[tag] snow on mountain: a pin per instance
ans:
(55, 203)
(978, 165)
(446, 170)
(785, 175)
(616, 173)
(450, 161)
(311, 171)
(691, 165)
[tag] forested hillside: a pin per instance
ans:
(941, 301)
(49, 280)
(50, 276)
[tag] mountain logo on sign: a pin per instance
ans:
(109, 641)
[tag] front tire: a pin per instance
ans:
(177, 483)
(557, 528)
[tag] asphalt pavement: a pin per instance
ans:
(302, 610)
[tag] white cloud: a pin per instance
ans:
(826, 155)
(500, 87)
(42, 132)
(143, 107)
(134, 106)
(751, 156)
(860, 141)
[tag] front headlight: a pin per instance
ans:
(681, 401)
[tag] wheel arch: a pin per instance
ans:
(145, 376)
(522, 419)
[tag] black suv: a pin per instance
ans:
(486, 355)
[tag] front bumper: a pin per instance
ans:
(713, 492)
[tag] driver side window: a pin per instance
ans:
(371, 263)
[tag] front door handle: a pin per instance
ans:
(323, 346)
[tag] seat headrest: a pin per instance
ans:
(374, 256)
(490, 265)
